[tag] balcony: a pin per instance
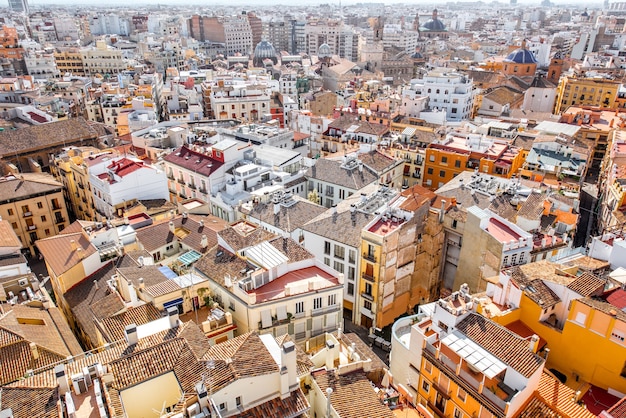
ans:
(276, 322)
(369, 257)
(202, 190)
(417, 175)
(368, 277)
(27, 214)
(322, 311)
(181, 181)
(367, 296)
(81, 185)
(300, 335)
(32, 227)
(192, 186)
(59, 220)
(170, 176)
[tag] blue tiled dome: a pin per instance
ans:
(521, 56)
(324, 51)
(264, 50)
(434, 25)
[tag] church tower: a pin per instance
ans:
(556, 67)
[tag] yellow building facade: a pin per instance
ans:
(35, 206)
(583, 91)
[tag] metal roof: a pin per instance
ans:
(266, 255)
(474, 355)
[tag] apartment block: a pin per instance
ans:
(272, 285)
(585, 91)
(35, 206)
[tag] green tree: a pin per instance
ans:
(313, 197)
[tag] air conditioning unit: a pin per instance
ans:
(23, 282)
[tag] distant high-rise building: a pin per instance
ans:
(19, 6)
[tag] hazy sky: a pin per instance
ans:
(244, 3)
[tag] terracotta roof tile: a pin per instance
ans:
(587, 284)
(553, 400)
(247, 355)
(508, 347)
(187, 230)
(113, 327)
(32, 138)
(58, 253)
(352, 394)
(30, 402)
(378, 162)
(293, 406)
(619, 409)
(195, 161)
(330, 171)
(289, 218)
(216, 267)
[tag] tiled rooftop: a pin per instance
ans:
(502, 343)
(353, 395)
(58, 252)
(298, 281)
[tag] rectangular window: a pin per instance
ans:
(425, 386)
(332, 300)
(340, 252)
(430, 170)
(223, 406)
(367, 305)
(299, 307)
(238, 401)
(338, 265)
(43, 218)
(326, 247)
(351, 256)
(442, 173)
(317, 303)
(444, 160)
(458, 413)
(461, 395)
(351, 289)
(431, 158)
(351, 273)
(327, 261)
(368, 289)
(231, 306)
(580, 318)
(428, 367)
(457, 163)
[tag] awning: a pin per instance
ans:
(174, 302)
(281, 313)
(189, 257)
(266, 318)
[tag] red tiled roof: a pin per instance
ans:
(37, 118)
(617, 299)
(124, 166)
(200, 163)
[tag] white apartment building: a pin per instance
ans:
(320, 32)
(447, 90)
(41, 65)
(102, 60)
(271, 285)
(396, 36)
(238, 35)
(125, 180)
(240, 102)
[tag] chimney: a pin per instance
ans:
(533, 344)
(544, 241)
(96, 285)
(142, 285)
(330, 355)
(203, 398)
(442, 211)
(276, 208)
(130, 333)
(79, 252)
(73, 245)
(34, 351)
(329, 392)
(59, 373)
(204, 242)
(288, 369)
(172, 313)
(172, 229)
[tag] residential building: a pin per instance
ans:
(434, 360)
(458, 152)
(570, 310)
(334, 236)
(611, 213)
(592, 125)
(411, 150)
(29, 148)
(34, 205)
(123, 181)
(272, 285)
(447, 91)
(69, 61)
(444, 378)
(334, 181)
(388, 283)
(585, 91)
(351, 128)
